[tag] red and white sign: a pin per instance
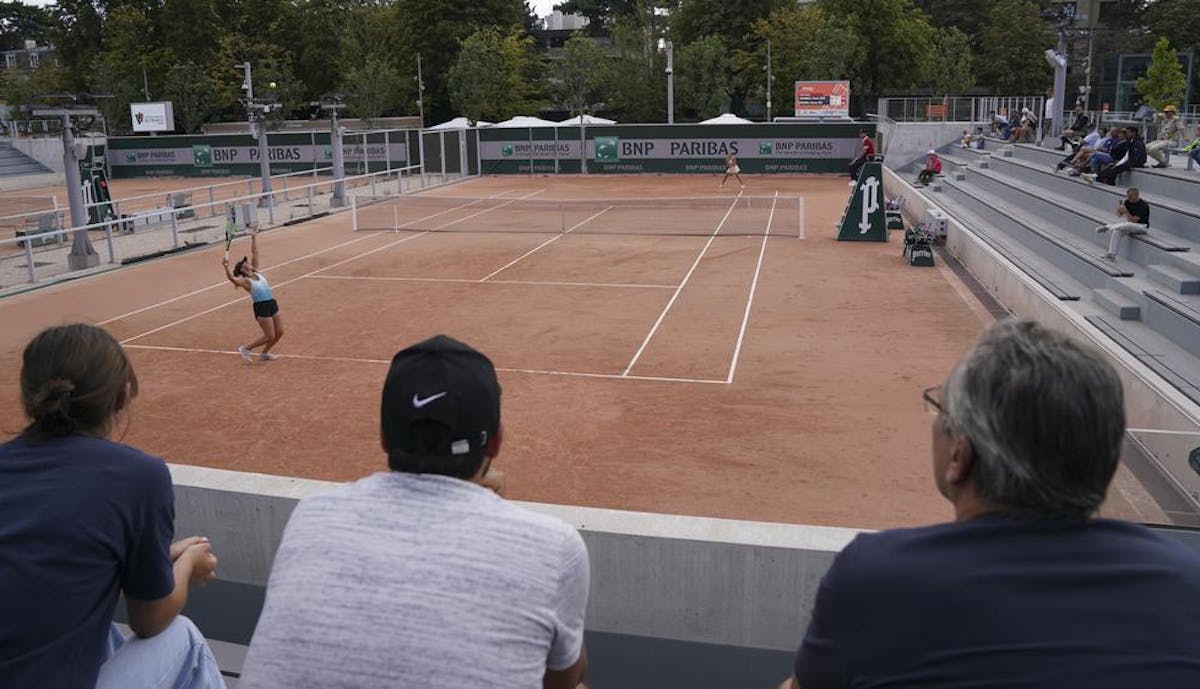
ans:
(152, 117)
(822, 99)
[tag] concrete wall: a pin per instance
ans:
(906, 142)
(46, 150)
(685, 579)
(1150, 402)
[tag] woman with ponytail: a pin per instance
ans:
(84, 519)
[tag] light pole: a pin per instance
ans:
(333, 104)
(421, 111)
(770, 78)
(256, 115)
(670, 83)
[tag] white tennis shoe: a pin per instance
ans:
(267, 356)
(244, 352)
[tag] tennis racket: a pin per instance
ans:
(230, 229)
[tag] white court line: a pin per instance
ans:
(278, 265)
(679, 289)
(384, 362)
(296, 279)
(1157, 431)
(762, 250)
(553, 239)
(491, 282)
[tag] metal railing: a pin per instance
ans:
(41, 255)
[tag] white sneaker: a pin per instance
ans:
(267, 356)
(245, 353)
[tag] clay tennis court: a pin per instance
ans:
(686, 372)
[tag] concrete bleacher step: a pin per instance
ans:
(1178, 280)
(1123, 308)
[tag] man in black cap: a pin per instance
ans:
(424, 576)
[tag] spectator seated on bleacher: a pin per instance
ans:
(1077, 160)
(1135, 219)
(1107, 152)
(1193, 149)
(423, 576)
(1026, 588)
(84, 519)
(999, 125)
(1170, 131)
(1134, 157)
(1026, 129)
(933, 166)
(1079, 127)
(969, 140)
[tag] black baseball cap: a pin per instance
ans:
(441, 399)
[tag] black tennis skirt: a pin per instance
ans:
(265, 309)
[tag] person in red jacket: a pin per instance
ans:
(868, 150)
(933, 166)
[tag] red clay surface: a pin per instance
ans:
(821, 424)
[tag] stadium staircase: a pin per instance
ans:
(14, 163)
(1148, 300)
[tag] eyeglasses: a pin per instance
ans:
(930, 396)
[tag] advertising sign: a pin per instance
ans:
(152, 117)
(822, 99)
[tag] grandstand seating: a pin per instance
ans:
(13, 162)
(1148, 300)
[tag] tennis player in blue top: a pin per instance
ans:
(266, 311)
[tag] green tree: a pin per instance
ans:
(807, 43)
(579, 73)
(897, 43)
(523, 76)
(191, 29)
(600, 12)
(964, 15)
(1164, 82)
(703, 76)
(950, 70)
(23, 86)
(190, 89)
(1178, 21)
(434, 30)
(478, 76)
(374, 89)
(636, 90)
(1011, 47)
(19, 22)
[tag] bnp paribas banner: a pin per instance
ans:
(220, 156)
(681, 149)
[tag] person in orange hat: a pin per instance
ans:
(1170, 129)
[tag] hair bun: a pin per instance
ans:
(49, 398)
(53, 407)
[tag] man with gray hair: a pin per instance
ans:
(1026, 588)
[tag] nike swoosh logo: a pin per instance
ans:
(418, 402)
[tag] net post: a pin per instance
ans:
(108, 238)
(353, 213)
(174, 231)
(212, 201)
(29, 259)
(800, 213)
(395, 218)
(311, 210)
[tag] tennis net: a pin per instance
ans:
(743, 215)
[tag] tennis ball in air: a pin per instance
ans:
(272, 84)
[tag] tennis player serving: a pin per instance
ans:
(731, 168)
(245, 275)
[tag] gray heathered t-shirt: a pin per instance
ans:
(404, 580)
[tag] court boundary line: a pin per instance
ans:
(306, 275)
(385, 362)
(471, 281)
(366, 235)
(553, 239)
(762, 251)
(678, 290)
